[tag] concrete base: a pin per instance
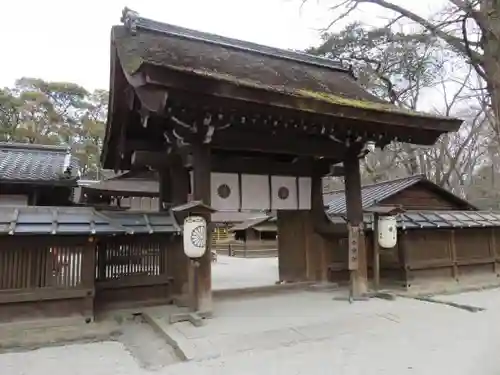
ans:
(195, 318)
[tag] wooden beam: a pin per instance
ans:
(230, 162)
(263, 165)
(279, 144)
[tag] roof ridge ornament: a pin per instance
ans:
(129, 19)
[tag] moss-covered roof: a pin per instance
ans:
(241, 66)
(245, 68)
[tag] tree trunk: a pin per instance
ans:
(489, 23)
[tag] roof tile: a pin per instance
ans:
(435, 219)
(35, 163)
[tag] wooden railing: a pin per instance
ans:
(249, 249)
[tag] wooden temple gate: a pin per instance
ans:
(210, 112)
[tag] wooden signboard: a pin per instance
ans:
(353, 247)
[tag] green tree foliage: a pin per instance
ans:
(36, 111)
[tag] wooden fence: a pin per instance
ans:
(248, 249)
(466, 256)
(132, 270)
(426, 257)
(56, 276)
(45, 276)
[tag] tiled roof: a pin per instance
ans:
(435, 219)
(37, 163)
(138, 222)
(34, 220)
(375, 193)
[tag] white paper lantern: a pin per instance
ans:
(195, 236)
(387, 231)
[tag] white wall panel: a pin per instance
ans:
(255, 192)
(304, 193)
(284, 193)
(220, 185)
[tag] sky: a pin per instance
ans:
(59, 40)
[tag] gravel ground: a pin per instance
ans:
(376, 337)
(302, 333)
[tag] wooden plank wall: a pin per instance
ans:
(465, 256)
(419, 197)
(391, 268)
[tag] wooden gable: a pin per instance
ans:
(424, 195)
(413, 193)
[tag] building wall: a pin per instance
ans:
(13, 200)
(37, 195)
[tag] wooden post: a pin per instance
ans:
(317, 221)
(454, 260)
(202, 192)
(357, 248)
(177, 262)
(493, 251)
(376, 253)
(88, 278)
(404, 258)
(165, 188)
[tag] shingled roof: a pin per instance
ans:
(37, 164)
(376, 193)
